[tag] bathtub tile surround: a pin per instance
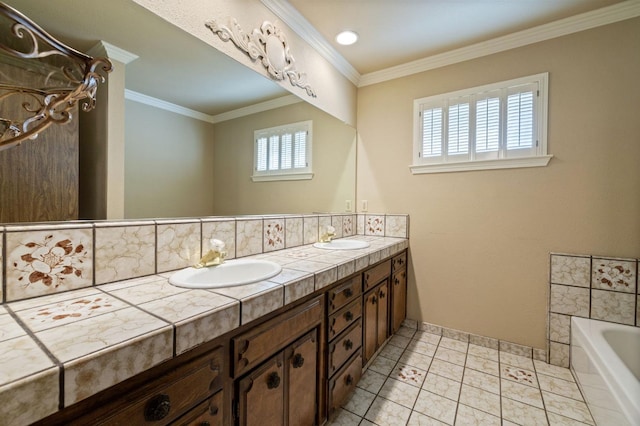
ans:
(591, 287)
(402, 386)
(124, 250)
(46, 260)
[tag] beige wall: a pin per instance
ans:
(168, 159)
(333, 164)
(480, 241)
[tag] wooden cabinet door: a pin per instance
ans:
(399, 300)
(370, 325)
(382, 329)
(261, 395)
(302, 363)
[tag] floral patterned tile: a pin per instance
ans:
(223, 230)
(85, 303)
(409, 374)
(178, 244)
(48, 261)
(274, 234)
(519, 375)
(123, 252)
(570, 270)
(614, 274)
(293, 231)
(385, 412)
(436, 406)
(348, 225)
(374, 225)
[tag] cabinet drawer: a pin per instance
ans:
(209, 413)
(344, 318)
(399, 262)
(344, 346)
(344, 293)
(192, 383)
(262, 341)
(376, 274)
(341, 385)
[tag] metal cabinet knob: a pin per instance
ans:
(348, 292)
(298, 360)
(273, 380)
(348, 344)
(348, 316)
(157, 408)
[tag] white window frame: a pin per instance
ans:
(502, 158)
(293, 173)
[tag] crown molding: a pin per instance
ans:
(292, 18)
(260, 107)
(112, 52)
(584, 21)
(213, 119)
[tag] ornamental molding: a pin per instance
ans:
(267, 44)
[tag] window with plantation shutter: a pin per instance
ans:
(496, 126)
(283, 152)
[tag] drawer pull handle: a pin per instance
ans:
(298, 360)
(348, 292)
(213, 410)
(348, 316)
(157, 408)
(374, 300)
(397, 281)
(382, 295)
(348, 344)
(273, 380)
(349, 380)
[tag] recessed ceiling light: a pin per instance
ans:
(347, 38)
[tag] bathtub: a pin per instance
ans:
(605, 360)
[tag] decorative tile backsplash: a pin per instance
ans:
(43, 259)
(595, 287)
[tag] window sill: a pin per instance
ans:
(463, 166)
(287, 176)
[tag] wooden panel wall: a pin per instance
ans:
(39, 178)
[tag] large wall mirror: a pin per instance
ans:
(179, 163)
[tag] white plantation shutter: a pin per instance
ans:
(432, 132)
(283, 151)
(488, 124)
(300, 158)
(502, 123)
(520, 119)
(458, 129)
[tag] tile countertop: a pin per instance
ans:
(60, 349)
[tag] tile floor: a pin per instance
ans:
(421, 378)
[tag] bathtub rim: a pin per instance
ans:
(617, 376)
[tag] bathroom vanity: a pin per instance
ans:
(293, 366)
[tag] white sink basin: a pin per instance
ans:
(229, 274)
(342, 245)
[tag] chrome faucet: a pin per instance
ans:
(214, 257)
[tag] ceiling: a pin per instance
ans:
(394, 32)
(178, 68)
